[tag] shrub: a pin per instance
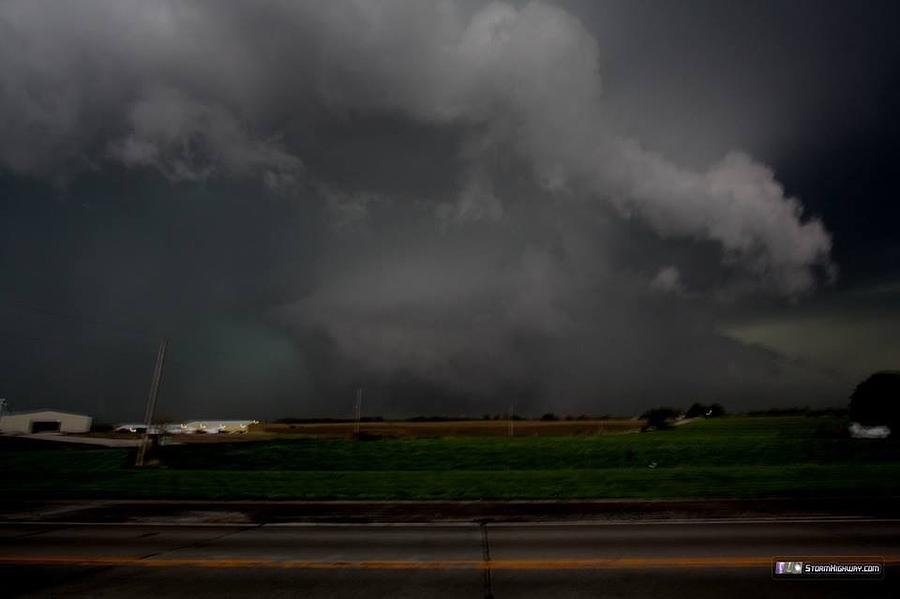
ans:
(659, 418)
(699, 410)
(876, 400)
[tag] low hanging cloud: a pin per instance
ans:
(518, 79)
(668, 280)
(528, 79)
(188, 141)
(563, 256)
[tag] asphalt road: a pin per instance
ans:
(697, 559)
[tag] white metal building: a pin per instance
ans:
(43, 421)
(217, 426)
(155, 429)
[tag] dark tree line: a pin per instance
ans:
(876, 400)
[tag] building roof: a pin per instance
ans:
(44, 411)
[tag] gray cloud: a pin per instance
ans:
(526, 78)
(189, 141)
(511, 233)
(668, 279)
(530, 77)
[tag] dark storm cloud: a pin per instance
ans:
(441, 197)
(524, 79)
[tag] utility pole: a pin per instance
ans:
(151, 401)
(511, 430)
(357, 411)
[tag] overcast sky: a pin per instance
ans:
(578, 207)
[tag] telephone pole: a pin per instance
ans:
(357, 411)
(151, 401)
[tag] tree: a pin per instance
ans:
(876, 400)
(660, 418)
(699, 410)
(696, 411)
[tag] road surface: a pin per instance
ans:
(697, 559)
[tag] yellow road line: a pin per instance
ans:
(625, 563)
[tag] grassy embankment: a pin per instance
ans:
(729, 457)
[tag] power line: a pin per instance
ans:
(91, 321)
(143, 334)
(45, 341)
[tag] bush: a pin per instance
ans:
(716, 410)
(699, 410)
(696, 411)
(876, 400)
(659, 418)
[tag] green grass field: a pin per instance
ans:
(728, 457)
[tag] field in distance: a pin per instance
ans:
(456, 428)
(722, 457)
